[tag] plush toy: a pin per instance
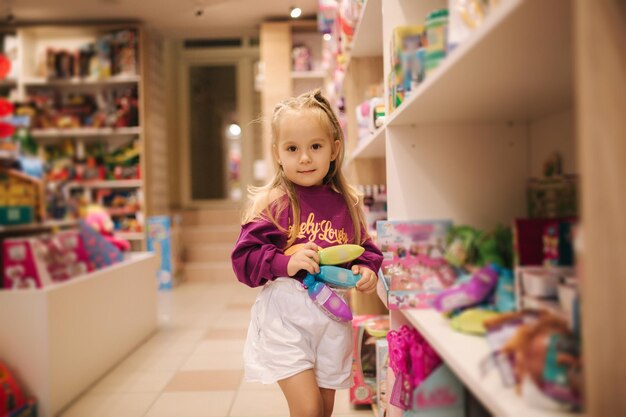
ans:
(98, 218)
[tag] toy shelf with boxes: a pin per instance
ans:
(82, 88)
(464, 142)
(62, 338)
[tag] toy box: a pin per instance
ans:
(553, 197)
(163, 239)
(413, 270)
(543, 242)
(36, 262)
(440, 395)
(382, 364)
(21, 198)
(363, 390)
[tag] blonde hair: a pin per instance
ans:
(266, 201)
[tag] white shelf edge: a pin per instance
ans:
(463, 354)
(45, 82)
(371, 10)
(372, 147)
(130, 235)
(85, 132)
(106, 184)
(51, 224)
(308, 75)
(511, 11)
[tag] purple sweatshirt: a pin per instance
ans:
(259, 257)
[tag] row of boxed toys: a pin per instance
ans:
(40, 261)
(468, 275)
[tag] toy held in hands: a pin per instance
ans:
(332, 304)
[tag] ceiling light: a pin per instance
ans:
(327, 36)
(234, 130)
(295, 12)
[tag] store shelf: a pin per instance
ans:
(517, 66)
(34, 227)
(463, 354)
(130, 235)
(368, 40)
(8, 83)
(308, 75)
(81, 82)
(372, 147)
(85, 132)
(106, 184)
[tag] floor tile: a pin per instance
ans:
(260, 403)
(237, 333)
(212, 362)
(220, 380)
(192, 404)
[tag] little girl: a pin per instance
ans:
(307, 206)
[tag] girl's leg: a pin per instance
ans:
(328, 397)
(303, 395)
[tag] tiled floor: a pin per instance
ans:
(192, 367)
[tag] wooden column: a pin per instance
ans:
(601, 109)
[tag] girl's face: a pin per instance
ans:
(304, 148)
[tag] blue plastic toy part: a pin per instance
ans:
(333, 305)
(340, 277)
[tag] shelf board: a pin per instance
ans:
(8, 82)
(34, 227)
(368, 39)
(85, 132)
(106, 184)
(517, 66)
(81, 82)
(463, 354)
(130, 235)
(308, 75)
(372, 147)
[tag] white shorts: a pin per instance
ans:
(289, 334)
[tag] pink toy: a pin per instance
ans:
(480, 285)
(98, 218)
(332, 304)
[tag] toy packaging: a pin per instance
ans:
(382, 364)
(367, 329)
(163, 239)
(36, 262)
(414, 270)
(101, 252)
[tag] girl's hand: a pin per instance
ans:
(367, 283)
(305, 258)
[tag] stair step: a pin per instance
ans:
(211, 217)
(214, 252)
(209, 271)
(201, 235)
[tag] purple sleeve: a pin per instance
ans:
(372, 258)
(256, 257)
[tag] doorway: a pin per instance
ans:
(216, 113)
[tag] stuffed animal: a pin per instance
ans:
(98, 218)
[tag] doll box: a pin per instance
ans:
(382, 363)
(363, 390)
(404, 299)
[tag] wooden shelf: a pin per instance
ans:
(463, 354)
(516, 67)
(372, 147)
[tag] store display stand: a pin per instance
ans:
(61, 339)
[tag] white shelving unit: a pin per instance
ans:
(463, 144)
(63, 338)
